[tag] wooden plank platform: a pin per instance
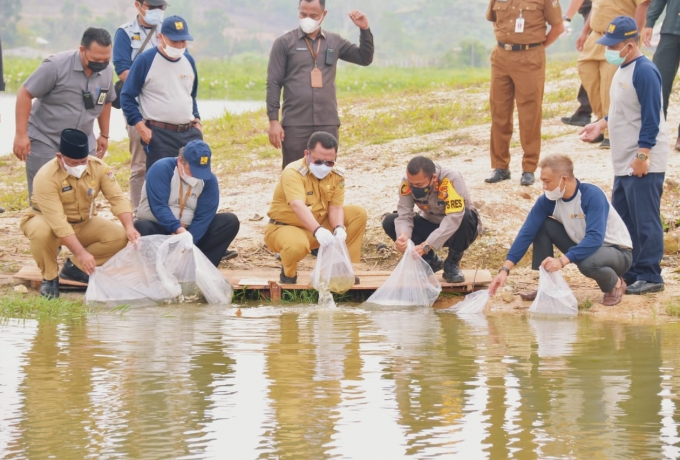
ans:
(267, 280)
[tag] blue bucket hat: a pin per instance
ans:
(197, 154)
(620, 29)
(176, 29)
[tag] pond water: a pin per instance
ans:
(304, 382)
(207, 108)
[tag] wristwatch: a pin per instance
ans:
(566, 18)
(642, 156)
(426, 248)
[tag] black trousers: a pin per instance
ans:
(221, 232)
(667, 58)
(605, 266)
(165, 143)
(422, 228)
(295, 140)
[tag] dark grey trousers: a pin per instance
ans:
(166, 143)
(605, 266)
(667, 58)
(295, 140)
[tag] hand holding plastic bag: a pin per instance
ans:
(324, 236)
(554, 296)
(411, 283)
(333, 271)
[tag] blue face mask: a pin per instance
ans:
(614, 56)
(154, 17)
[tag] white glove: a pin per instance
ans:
(567, 29)
(340, 234)
(324, 236)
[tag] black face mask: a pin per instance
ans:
(420, 193)
(97, 66)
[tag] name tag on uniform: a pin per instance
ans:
(102, 97)
(66, 189)
(300, 49)
(519, 25)
(310, 193)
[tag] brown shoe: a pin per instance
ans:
(677, 144)
(528, 295)
(613, 297)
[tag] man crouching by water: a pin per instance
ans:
(182, 195)
(580, 221)
(63, 211)
(308, 209)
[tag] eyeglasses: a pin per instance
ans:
(330, 164)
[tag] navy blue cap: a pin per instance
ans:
(197, 155)
(74, 144)
(620, 29)
(176, 29)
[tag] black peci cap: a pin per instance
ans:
(74, 144)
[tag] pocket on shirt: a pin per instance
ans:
(68, 197)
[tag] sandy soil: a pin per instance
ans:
(373, 174)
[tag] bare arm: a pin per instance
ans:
(641, 14)
(86, 259)
(336, 216)
(22, 144)
(553, 34)
(123, 75)
(304, 214)
(574, 6)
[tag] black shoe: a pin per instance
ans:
(497, 176)
(604, 144)
(228, 255)
(644, 287)
(50, 288)
(598, 139)
(452, 272)
(527, 179)
(315, 252)
(283, 279)
(70, 272)
(576, 120)
(434, 261)
(2, 209)
(357, 280)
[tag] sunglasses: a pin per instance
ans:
(330, 164)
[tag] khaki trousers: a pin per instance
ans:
(294, 243)
(516, 76)
(100, 237)
(596, 74)
(137, 166)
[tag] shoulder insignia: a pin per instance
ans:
(405, 189)
(109, 174)
(444, 189)
(303, 170)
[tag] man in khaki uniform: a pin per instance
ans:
(308, 204)
(63, 211)
(518, 74)
(595, 72)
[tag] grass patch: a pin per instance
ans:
(585, 305)
(36, 307)
(673, 307)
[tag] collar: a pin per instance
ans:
(623, 66)
(578, 187)
(302, 35)
(78, 63)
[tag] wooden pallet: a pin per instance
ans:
(267, 281)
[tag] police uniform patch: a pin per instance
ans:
(110, 175)
(443, 191)
(405, 189)
(454, 202)
(341, 184)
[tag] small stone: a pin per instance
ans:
(526, 196)
(670, 242)
(507, 295)
(21, 289)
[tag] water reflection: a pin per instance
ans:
(301, 382)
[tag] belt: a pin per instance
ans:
(272, 221)
(36, 209)
(508, 47)
(170, 127)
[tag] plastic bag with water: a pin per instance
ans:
(156, 269)
(554, 296)
(411, 283)
(473, 303)
(333, 272)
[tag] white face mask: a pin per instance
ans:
(556, 194)
(192, 181)
(309, 25)
(320, 171)
(173, 53)
(75, 171)
(154, 17)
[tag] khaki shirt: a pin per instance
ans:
(444, 205)
(536, 14)
(64, 200)
(290, 66)
(298, 183)
(604, 12)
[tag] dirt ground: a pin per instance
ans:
(373, 174)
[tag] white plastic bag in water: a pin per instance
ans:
(411, 283)
(158, 268)
(554, 296)
(473, 303)
(333, 271)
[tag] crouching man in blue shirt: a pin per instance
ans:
(182, 195)
(578, 219)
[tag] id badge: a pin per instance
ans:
(519, 25)
(102, 97)
(317, 78)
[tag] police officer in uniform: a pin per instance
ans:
(308, 209)
(63, 212)
(131, 39)
(446, 216)
(518, 75)
(72, 89)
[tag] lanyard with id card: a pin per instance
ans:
(519, 24)
(316, 76)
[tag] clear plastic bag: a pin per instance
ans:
(411, 283)
(158, 268)
(333, 271)
(473, 303)
(554, 296)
